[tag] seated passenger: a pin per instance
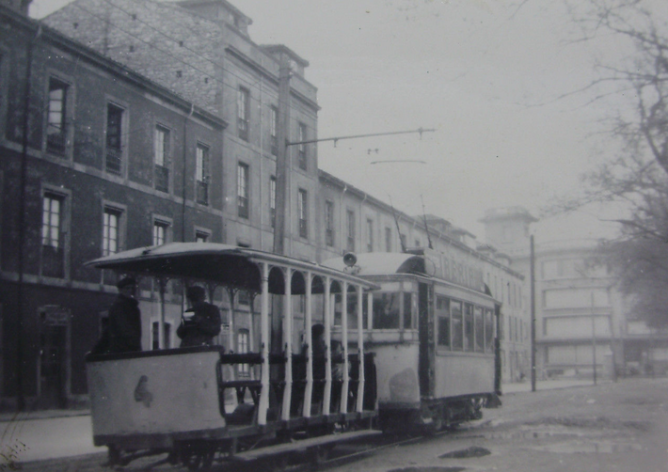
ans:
(199, 329)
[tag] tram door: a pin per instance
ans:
(53, 358)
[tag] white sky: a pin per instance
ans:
(485, 73)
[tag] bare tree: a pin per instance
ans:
(638, 174)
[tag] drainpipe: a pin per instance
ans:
(185, 173)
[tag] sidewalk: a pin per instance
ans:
(525, 386)
(34, 436)
(52, 434)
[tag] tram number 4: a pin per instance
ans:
(141, 392)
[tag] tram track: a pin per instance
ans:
(337, 455)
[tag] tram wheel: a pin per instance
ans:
(320, 454)
(200, 459)
(114, 456)
(200, 462)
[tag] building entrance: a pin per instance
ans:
(53, 355)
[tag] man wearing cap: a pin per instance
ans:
(125, 319)
(199, 329)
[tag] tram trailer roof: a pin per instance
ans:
(381, 267)
(222, 263)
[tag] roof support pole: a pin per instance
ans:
(162, 283)
(343, 404)
(327, 399)
(287, 344)
(308, 391)
(264, 347)
(360, 348)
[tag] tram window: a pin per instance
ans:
(457, 329)
(468, 327)
(155, 335)
(443, 319)
(242, 348)
(479, 329)
(489, 330)
(386, 310)
(408, 310)
(243, 297)
(352, 311)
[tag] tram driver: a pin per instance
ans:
(199, 329)
(123, 331)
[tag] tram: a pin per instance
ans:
(173, 400)
(432, 330)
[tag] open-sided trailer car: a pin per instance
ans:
(173, 400)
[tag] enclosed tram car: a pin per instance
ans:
(416, 333)
(432, 331)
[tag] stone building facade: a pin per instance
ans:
(201, 50)
(110, 160)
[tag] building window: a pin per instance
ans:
(272, 200)
(303, 213)
(51, 221)
(111, 231)
(114, 138)
(201, 236)
(418, 243)
(350, 243)
(242, 348)
(369, 235)
(329, 223)
(155, 336)
(53, 254)
(301, 148)
(202, 174)
(56, 137)
(243, 112)
(273, 129)
(160, 232)
(161, 150)
(388, 239)
(242, 191)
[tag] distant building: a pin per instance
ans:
(582, 320)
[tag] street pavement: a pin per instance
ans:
(52, 434)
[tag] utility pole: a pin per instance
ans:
(532, 262)
(281, 157)
(593, 336)
(25, 141)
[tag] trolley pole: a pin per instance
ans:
(532, 262)
(281, 157)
